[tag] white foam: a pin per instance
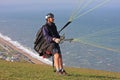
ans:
(25, 49)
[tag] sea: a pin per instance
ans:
(96, 35)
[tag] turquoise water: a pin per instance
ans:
(97, 40)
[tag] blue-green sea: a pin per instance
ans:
(96, 43)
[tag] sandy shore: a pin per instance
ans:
(6, 43)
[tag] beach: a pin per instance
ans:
(6, 43)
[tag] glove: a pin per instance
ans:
(57, 40)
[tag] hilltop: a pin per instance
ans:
(28, 71)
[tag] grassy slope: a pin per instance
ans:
(27, 71)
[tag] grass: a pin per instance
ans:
(28, 71)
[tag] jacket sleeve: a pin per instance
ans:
(47, 35)
(56, 34)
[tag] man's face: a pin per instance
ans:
(50, 19)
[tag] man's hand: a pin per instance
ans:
(57, 40)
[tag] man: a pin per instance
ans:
(53, 38)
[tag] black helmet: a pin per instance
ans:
(49, 15)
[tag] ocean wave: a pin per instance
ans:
(25, 49)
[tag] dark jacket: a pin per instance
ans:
(50, 32)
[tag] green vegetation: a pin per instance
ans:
(28, 71)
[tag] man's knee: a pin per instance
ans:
(57, 55)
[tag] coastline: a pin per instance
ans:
(7, 43)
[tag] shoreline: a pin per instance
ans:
(7, 43)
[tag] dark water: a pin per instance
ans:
(98, 45)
